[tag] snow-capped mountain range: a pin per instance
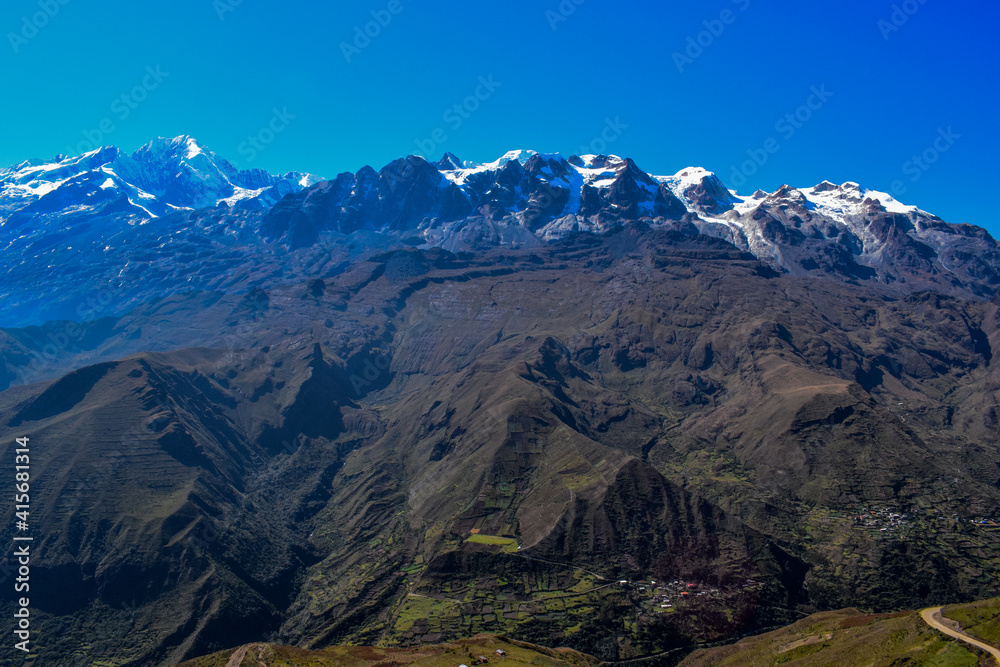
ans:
(164, 176)
(173, 215)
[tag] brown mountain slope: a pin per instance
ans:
(367, 464)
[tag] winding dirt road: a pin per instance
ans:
(932, 617)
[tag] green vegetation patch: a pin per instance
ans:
(509, 544)
(450, 654)
(842, 638)
(979, 619)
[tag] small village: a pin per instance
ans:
(890, 520)
(883, 519)
(665, 596)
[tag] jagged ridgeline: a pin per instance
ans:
(628, 439)
(99, 234)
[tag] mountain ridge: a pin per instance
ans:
(164, 175)
(91, 219)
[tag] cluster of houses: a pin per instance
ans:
(666, 594)
(882, 519)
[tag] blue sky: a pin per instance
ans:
(763, 93)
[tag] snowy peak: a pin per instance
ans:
(165, 150)
(598, 171)
(521, 156)
(178, 172)
(184, 174)
(596, 161)
(448, 162)
(36, 178)
(163, 175)
(849, 199)
(701, 190)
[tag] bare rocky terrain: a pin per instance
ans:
(638, 406)
(411, 406)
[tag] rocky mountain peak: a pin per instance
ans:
(448, 162)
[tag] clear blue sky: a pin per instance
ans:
(559, 81)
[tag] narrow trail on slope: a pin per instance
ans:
(236, 659)
(932, 616)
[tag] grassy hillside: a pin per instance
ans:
(849, 637)
(979, 619)
(452, 654)
(827, 639)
